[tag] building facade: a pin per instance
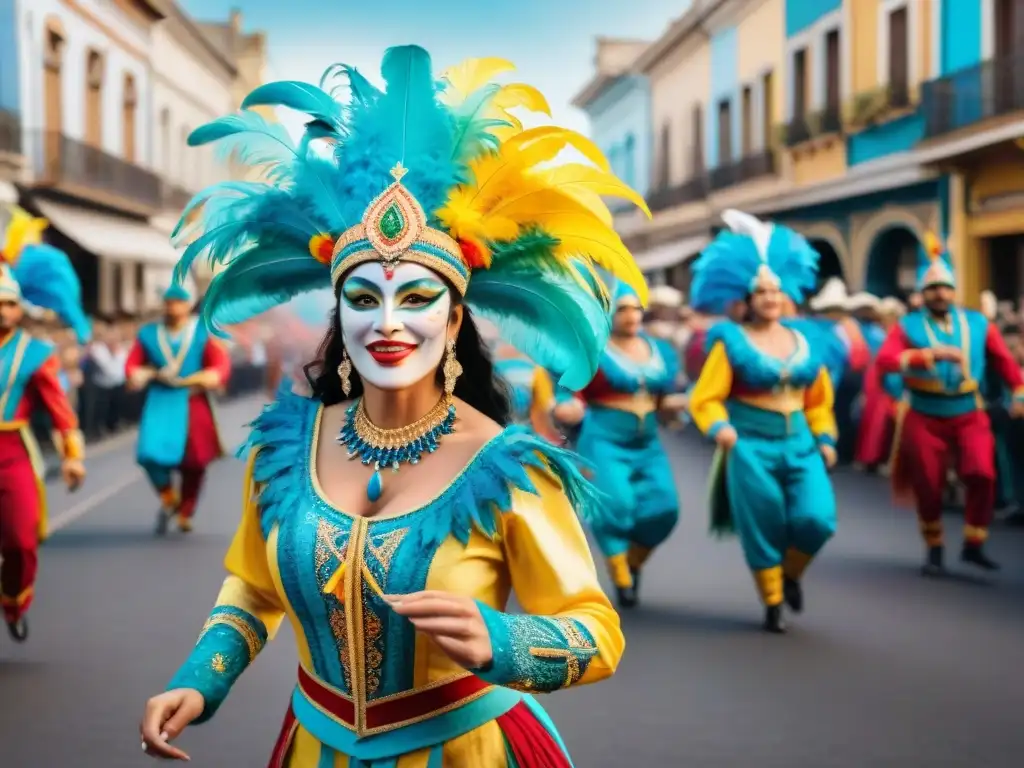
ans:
(11, 160)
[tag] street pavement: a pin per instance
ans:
(885, 669)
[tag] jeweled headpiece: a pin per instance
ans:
(437, 172)
(751, 253)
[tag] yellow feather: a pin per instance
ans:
(520, 95)
(609, 253)
(472, 74)
(576, 176)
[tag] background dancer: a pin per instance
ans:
(396, 569)
(180, 367)
(634, 385)
(531, 389)
(765, 398)
(38, 274)
(943, 353)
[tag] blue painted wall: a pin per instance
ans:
(961, 34)
(725, 83)
(9, 85)
(800, 14)
(620, 124)
(881, 140)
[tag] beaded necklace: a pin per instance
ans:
(392, 447)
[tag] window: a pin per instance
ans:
(94, 98)
(183, 178)
(698, 141)
(899, 57)
(800, 84)
(53, 115)
(629, 161)
(832, 95)
(129, 101)
(724, 132)
(768, 108)
(664, 157)
(747, 134)
(165, 140)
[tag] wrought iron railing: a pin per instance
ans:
(801, 129)
(968, 96)
(689, 191)
(868, 107)
(60, 160)
(745, 169)
(10, 132)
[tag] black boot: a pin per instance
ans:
(627, 596)
(934, 562)
(18, 629)
(773, 621)
(163, 521)
(794, 594)
(974, 554)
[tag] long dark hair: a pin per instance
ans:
(478, 385)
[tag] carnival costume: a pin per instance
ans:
(619, 437)
(436, 173)
(31, 272)
(944, 416)
(532, 394)
(178, 427)
(772, 487)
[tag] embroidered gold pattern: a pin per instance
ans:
(241, 626)
(219, 664)
(383, 549)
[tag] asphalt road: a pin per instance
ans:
(884, 669)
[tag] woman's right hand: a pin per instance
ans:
(166, 716)
(570, 412)
(726, 437)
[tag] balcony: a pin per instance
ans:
(84, 171)
(970, 96)
(10, 133)
(879, 105)
(808, 127)
(745, 169)
(173, 197)
(689, 191)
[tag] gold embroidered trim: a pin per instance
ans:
(434, 263)
(252, 639)
(975, 534)
(16, 361)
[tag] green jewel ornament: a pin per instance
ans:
(392, 223)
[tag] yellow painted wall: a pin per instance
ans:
(678, 82)
(864, 22)
(924, 34)
(992, 179)
(762, 44)
(822, 163)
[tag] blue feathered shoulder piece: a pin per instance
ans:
(725, 271)
(281, 436)
(49, 281)
(443, 160)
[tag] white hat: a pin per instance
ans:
(863, 300)
(832, 296)
(665, 296)
(890, 305)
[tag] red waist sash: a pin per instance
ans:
(393, 711)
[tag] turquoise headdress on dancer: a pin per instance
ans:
(177, 292)
(749, 252)
(40, 274)
(935, 266)
(430, 170)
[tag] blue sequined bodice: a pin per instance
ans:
(756, 370)
(657, 374)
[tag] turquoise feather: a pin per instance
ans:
(299, 96)
(472, 130)
(361, 89)
(49, 281)
(247, 138)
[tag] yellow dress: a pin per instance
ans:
(371, 691)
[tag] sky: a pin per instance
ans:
(552, 42)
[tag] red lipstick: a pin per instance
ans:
(390, 353)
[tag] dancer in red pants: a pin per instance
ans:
(942, 352)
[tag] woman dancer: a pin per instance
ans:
(765, 398)
(619, 436)
(394, 567)
(531, 390)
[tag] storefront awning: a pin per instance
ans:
(8, 194)
(670, 254)
(110, 237)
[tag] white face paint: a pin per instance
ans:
(395, 330)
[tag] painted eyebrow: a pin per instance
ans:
(423, 282)
(358, 283)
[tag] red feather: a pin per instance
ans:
(472, 254)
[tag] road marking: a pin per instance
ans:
(85, 506)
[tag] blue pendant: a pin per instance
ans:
(375, 487)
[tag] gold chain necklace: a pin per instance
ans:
(393, 447)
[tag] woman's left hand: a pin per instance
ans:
(454, 622)
(828, 453)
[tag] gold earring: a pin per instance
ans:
(344, 371)
(452, 369)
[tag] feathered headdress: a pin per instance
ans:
(752, 251)
(436, 172)
(935, 269)
(41, 274)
